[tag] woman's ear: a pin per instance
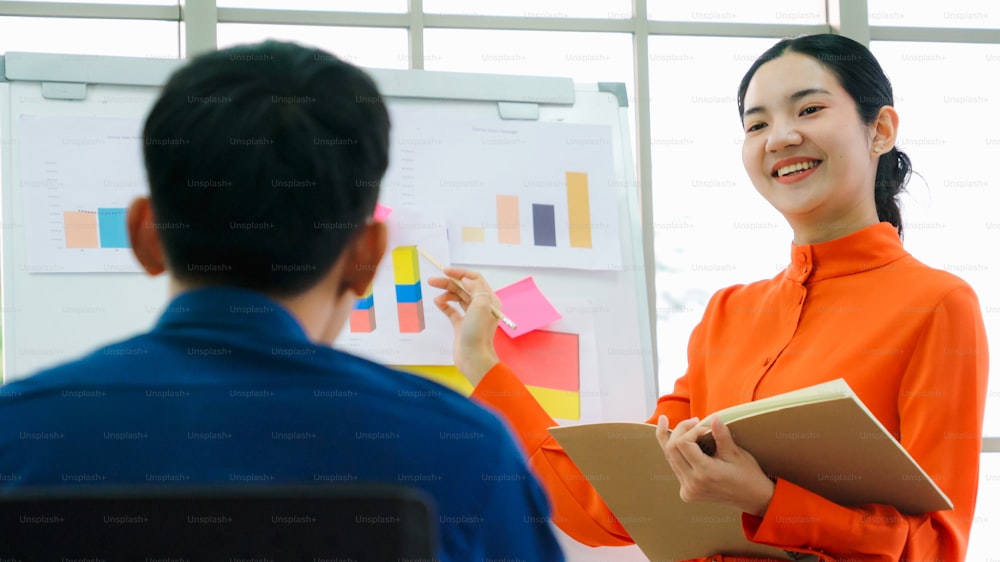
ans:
(144, 238)
(885, 127)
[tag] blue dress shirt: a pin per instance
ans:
(228, 389)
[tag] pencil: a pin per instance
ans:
(496, 311)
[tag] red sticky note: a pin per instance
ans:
(382, 212)
(542, 358)
(525, 304)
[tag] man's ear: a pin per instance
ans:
(365, 252)
(886, 127)
(144, 238)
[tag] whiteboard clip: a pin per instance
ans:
(64, 91)
(518, 110)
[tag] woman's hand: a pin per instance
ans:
(732, 476)
(474, 325)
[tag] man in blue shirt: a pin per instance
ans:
(264, 164)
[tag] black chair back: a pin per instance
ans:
(341, 523)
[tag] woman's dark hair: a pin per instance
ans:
(862, 77)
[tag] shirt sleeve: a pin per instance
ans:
(577, 509)
(941, 402)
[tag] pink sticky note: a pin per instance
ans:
(382, 212)
(525, 304)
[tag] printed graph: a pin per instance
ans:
(78, 175)
(543, 195)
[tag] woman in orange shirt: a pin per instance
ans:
(853, 304)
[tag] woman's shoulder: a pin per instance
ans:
(919, 279)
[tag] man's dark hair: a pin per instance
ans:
(263, 160)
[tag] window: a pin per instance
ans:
(711, 229)
(799, 12)
(363, 46)
(954, 13)
(584, 57)
(380, 6)
(133, 38)
(606, 9)
(948, 128)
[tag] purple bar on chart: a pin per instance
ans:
(543, 221)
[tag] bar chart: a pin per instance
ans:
(543, 195)
(543, 219)
(395, 320)
(363, 316)
(78, 176)
(103, 228)
(409, 300)
(408, 294)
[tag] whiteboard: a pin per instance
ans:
(49, 316)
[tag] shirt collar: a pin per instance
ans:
(870, 248)
(232, 310)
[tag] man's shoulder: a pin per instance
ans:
(144, 366)
(83, 372)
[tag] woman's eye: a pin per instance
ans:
(755, 127)
(811, 109)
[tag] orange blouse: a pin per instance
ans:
(909, 340)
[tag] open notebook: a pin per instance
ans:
(822, 438)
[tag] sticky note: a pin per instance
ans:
(548, 363)
(382, 212)
(525, 304)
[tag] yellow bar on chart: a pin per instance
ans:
(578, 200)
(405, 265)
(473, 234)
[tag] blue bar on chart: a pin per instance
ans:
(543, 220)
(111, 225)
